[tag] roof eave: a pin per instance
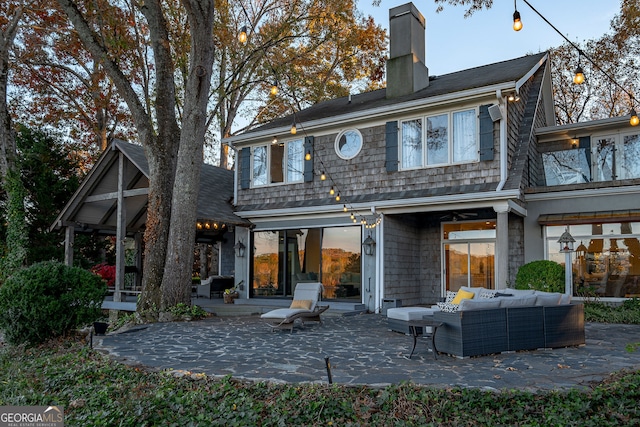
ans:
(380, 112)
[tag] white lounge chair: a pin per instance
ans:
(304, 307)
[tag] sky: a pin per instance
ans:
(454, 43)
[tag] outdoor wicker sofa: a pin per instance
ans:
(481, 332)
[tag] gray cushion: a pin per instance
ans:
(519, 292)
(482, 304)
(525, 301)
(548, 299)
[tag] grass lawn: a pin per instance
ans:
(97, 391)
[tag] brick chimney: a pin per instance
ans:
(406, 69)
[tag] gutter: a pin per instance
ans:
(379, 112)
(503, 141)
(389, 206)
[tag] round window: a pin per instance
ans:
(348, 143)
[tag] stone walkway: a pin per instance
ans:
(362, 350)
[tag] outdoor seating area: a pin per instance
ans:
(478, 321)
(304, 308)
(214, 286)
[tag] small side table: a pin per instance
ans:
(417, 328)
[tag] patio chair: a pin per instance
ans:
(303, 307)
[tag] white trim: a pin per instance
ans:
(470, 200)
(387, 110)
(337, 143)
(608, 191)
(531, 72)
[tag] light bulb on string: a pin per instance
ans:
(634, 120)
(274, 88)
(332, 191)
(242, 35)
(323, 176)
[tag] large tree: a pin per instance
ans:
(173, 145)
(314, 50)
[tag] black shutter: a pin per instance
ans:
(486, 134)
(391, 131)
(308, 164)
(245, 168)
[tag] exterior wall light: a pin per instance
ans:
(369, 246)
(239, 248)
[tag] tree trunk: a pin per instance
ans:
(176, 283)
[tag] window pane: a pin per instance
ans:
(265, 263)
(295, 161)
(437, 139)
(456, 265)
(260, 166)
(630, 159)
(566, 167)
(341, 276)
(412, 143)
(465, 147)
(481, 264)
(277, 162)
(603, 159)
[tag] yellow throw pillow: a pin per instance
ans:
(462, 295)
(301, 303)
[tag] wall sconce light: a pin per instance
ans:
(513, 97)
(369, 246)
(574, 142)
(239, 248)
(274, 140)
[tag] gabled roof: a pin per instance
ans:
(94, 205)
(509, 73)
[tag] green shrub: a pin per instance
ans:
(541, 275)
(47, 300)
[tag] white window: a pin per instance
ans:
(448, 138)
(348, 144)
(278, 163)
(615, 157)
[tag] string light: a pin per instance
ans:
(338, 197)
(634, 120)
(294, 130)
(578, 78)
(308, 155)
(344, 208)
(579, 75)
(332, 191)
(274, 88)
(242, 36)
(517, 22)
(323, 176)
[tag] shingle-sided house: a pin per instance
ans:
(447, 180)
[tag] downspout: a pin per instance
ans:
(503, 140)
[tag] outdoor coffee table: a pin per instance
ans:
(417, 328)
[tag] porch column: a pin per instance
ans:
(69, 235)
(502, 246)
(121, 232)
